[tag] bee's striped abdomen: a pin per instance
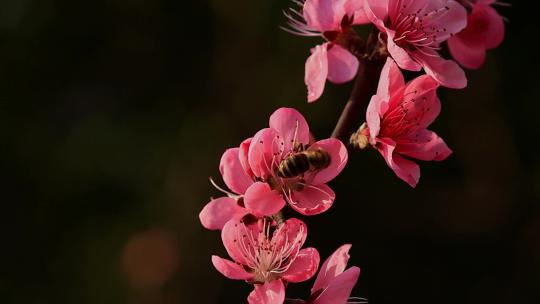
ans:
(319, 159)
(294, 165)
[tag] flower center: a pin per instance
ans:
(270, 251)
(400, 120)
(416, 31)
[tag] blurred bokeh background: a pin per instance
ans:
(114, 113)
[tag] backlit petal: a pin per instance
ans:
(316, 72)
(234, 175)
(339, 289)
(338, 159)
(219, 211)
(291, 127)
(263, 153)
(342, 65)
(312, 199)
(405, 169)
(446, 72)
(424, 145)
(324, 15)
(261, 200)
(332, 267)
(231, 270)
(471, 56)
(268, 293)
(304, 266)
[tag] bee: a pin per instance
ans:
(302, 162)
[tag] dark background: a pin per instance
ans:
(114, 113)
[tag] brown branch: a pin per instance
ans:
(369, 70)
(364, 87)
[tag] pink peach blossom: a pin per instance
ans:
(220, 210)
(397, 118)
(287, 135)
(414, 31)
(484, 31)
(265, 258)
(332, 60)
(250, 171)
(334, 284)
(238, 177)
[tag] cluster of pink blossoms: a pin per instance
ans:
(266, 249)
(410, 34)
(282, 166)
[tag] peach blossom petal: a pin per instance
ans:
(420, 101)
(377, 12)
(261, 200)
(304, 266)
(312, 199)
(243, 156)
(425, 145)
(405, 169)
(316, 72)
(452, 21)
(263, 151)
(219, 211)
(471, 56)
(339, 290)
(268, 293)
(231, 270)
(332, 267)
(401, 56)
(229, 236)
(390, 81)
(356, 9)
(494, 34)
(289, 232)
(233, 173)
(342, 65)
(289, 123)
(446, 72)
(323, 15)
(338, 159)
(410, 6)
(373, 118)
